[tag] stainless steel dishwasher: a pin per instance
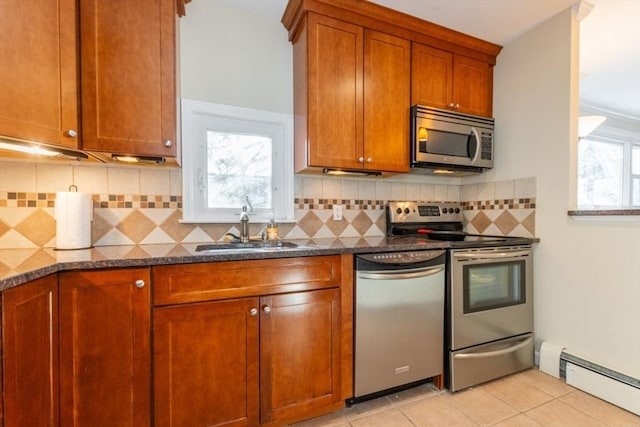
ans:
(399, 320)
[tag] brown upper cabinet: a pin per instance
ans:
(126, 89)
(358, 68)
(351, 97)
(128, 57)
(38, 76)
(442, 79)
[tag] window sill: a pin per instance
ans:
(605, 214)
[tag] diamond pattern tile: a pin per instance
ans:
(4, 228)
(310, 223)
(506, 222)
(530, 223)
(480, 221)
(99, 226)
(336, 227)
(362, 223)
(39, 227)
(173, 228)
(136, 226)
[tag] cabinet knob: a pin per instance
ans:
(139, 283)
(457, 106)
(253, 311)
(361, 159)
(168, 143)
(266, 309)
(369, 160)
(71, 133)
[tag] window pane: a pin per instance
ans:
(635, 160)
(238, 166)
(635, 192)
(600, 169)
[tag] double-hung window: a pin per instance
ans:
(608, 172)
(235, 157)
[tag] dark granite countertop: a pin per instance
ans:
(18, 266)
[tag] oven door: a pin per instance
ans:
(491, 294)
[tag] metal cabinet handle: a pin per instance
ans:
(71, 133)
(266, 309)
(253, 311)
(139, 283)
(168, 143)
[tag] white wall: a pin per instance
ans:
(232, 57)
(587, 273)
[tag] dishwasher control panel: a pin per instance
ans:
(400, 258)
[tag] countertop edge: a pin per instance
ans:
(143, 255)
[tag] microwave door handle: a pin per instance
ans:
(474, 134)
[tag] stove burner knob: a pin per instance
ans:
(457, 210)
(406, 210)
(399, 211)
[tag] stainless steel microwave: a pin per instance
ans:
(449, 141)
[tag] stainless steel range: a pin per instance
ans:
(489, 293)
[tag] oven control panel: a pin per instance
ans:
(404, 212)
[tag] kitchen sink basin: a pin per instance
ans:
(246, 247)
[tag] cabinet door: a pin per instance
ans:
(387, 84)
(206, 364)
(299, 354)
(334, 103)
(473, 86)
(30, 353)
(431, 74)
(38, 80)
(128, 76)
(105, 353)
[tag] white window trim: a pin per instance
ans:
(195, 115)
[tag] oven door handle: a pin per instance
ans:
(494, 353)
(400, 275)
(491, 255)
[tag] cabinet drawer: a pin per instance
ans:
(185, 283)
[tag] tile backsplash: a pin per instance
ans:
(144, 205)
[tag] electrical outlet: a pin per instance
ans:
(337, 212)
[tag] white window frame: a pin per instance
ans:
(626, 141)
(199, 117)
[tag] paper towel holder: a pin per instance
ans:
(73, 215)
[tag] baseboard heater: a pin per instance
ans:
(614, 387)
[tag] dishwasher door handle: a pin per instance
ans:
(401, 274)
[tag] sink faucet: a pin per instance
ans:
(244, 225)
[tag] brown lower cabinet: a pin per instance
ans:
(239, 343)
(105, 349)
(30, 354)
(254, 360)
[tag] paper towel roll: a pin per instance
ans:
(550, 358)
(73, 215)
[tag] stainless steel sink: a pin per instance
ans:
(246, 247)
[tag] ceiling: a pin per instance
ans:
(610, 36)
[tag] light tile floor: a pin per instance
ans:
(528, 398)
